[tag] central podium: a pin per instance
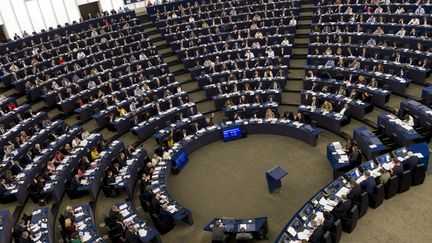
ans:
(273, 177)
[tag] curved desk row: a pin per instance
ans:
(258, 227)
(298, 227)
(178, 153)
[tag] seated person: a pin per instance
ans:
(355, 157)
(369, 184)
(318, 232)
(243, 235)
(328, 221)
(327, 106)
(218, 231)
(397, 168)
(164, 214)
(342, 208)
(412, 162)
(384, 177)
(408, 120)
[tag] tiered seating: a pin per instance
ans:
(81, 220)
(22, 180)
(127, 214)
(356, 40)
(124, 173)
(41, 226)
(88, 179)
(246, 42)
(57, 52)
(59, 172)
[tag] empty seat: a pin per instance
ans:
(419, 175)
(350, 222)
(392, 186)
(327, 237)
(363, 204)
(405, 181)
(377, 198)
(336, 231)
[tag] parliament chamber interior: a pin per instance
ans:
(215, 121)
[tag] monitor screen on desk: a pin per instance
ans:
(296, 224)
(354, 174)
(369, 165)
(400, 152)
(384, 158)
(307, 212)
(232, 133)
(180, 159)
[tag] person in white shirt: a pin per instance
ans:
(142, 56)
(419, 10)
(191, 19)
(285, 42)
(293, 21)
(414, 21)
(76, 142)
(378, 10)
(249, 54)
(81, 55)
(133, 106)
(344, 109)
(270, 53)
(94, 33)
(138, 92)
(349, 10)
(371, 19)
(409, 120)
(91, 84)
(401, 32)
(400, 10)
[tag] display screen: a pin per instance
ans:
(384, 158)
(180, 159)
(232, 133)
(400, 152)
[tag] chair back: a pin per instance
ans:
(405, 181)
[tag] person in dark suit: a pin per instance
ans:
(164, 214)
(114, 213)
(155, 202)
(75, 183)
(25, 238)
(16, 168)
(28, 158)
(195, 127)
(412, 162)
(355, 158)
(191, 111)
(369, 184)
(397, 168)
(355, 192)
(132, 235)
(342, 208)
(318, 232)
(328, 221)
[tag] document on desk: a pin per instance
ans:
(292, 231)
(142, 233)
(340, 151)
